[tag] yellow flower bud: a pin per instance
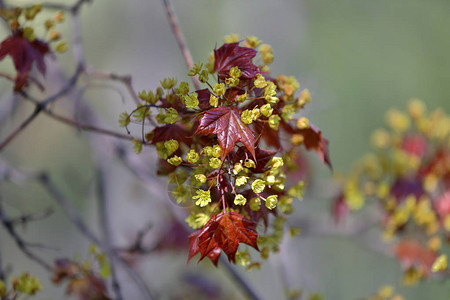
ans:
(237, 168)
(258, 186)
(215, 163)
(216, 151)
(219, 89)
(302, 123)
(277, 162)
(260, 81)
(175, 160)
(191, 101)
(235, 72)
(440, 264)
(241, 180)
(249, 163)
(213, 101)
(271, 201)
(201, 178)
(266, 110)
(202, 197)
(274, 121)
(239, 200)
(192, 156)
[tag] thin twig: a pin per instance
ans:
(23, 246)
(87, 127)
(174, 25)
(21, 127)
(2, 272)
(74, 9)
(105, 222)
(239, 280)
(24, 219)
(75, 218)
(67, 88)
(124, 79)
(42, 105)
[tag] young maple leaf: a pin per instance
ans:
(24, 53)
(169, 132)
(313, 140)
(233, 55)
(223, 232)
(412, 253)
(262, 157)
(226, 123)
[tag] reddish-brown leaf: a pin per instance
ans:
(226, 123)
(169, 132)
(24, 53)
(82, 283)
(203, 98)
(270, 136)
(340, 208)
(314, 140)
(223, 232)
(412, 253)
(233, 55)
(262, 157)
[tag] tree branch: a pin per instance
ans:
(21, 127)
(23, 246)
(174, 25)
(75, 218)
(105, 223)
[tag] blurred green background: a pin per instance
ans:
(357, 57)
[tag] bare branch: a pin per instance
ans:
(174, 25)
(239, 280)
(24, 219)
(105, 222)
(87, 127)
(21, 127)
(75, 218)
(23, 246)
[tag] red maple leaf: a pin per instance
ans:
(233, 55)
(24, 53)
(226, 123)
(203, 98)
(169, 132)
(223, 232)
(313, 140)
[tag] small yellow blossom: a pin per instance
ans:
(241, 180)
(201, 178)
(202, 197)
(258, 186)
(214, 162)
(271, 201)
(213, 101)
(440, 264)
(175, 160)
(239, 200)
(192, 156)
(219, 89)
(302, 123)
(249, 163)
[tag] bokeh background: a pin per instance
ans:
(357, 57)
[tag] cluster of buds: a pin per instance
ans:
(25, 284)
(24, 47)
(19, 21)
(408, 173)
(214, 143)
